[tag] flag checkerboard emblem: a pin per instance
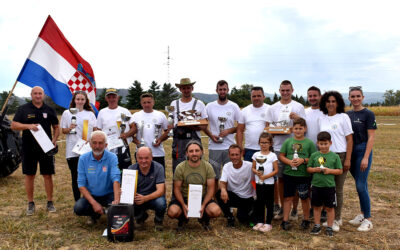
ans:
(79, 83)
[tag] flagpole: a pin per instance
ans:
(8, 97)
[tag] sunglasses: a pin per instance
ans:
(355, 88)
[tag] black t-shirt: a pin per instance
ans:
(361, 121)
(29, 114)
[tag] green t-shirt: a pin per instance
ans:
(304, 148)
(193, 175)
(332, 161)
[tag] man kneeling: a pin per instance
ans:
(98, 179)
(193, 171)
(150, 192)
(236, 189)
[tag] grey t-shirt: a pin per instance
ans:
(147, 183)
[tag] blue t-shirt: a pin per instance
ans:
(147, 183)
(98, 176)
(361, 121)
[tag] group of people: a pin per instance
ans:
(309, 163)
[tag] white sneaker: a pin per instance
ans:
(258, 226)
(365, 226)
(336, 225)
(357, 220)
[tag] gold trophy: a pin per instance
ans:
(73, 111)
(296, 147)
(170, 110)
(321, 161)
(260, 160)
(222, 121)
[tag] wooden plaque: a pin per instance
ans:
(193, 123)
(278, 130)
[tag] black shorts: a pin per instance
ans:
(291, 184)
(174, 201)
(30, 160)
(323, 196)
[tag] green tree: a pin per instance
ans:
(154, 89)
(51, 103)
(12, 102)
(268, 100)
(101, 98)
(167, 94)
(241, 96)
(275, 98)
(301, 100)
(133, 97)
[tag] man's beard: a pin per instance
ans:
(98, 152)
(196, 159)
(222, 98)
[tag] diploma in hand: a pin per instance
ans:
(194, 200)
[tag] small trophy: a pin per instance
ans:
(122, 126)
(141, 128)
(260, 160)
(73, 111)
(190, 118)
(296, 147)
(157, 128)
(222, 121)
(170, 110)
(321, 161)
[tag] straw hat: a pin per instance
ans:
(184, 82)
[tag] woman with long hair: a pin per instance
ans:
(337, 123)
(364, 126)
(79, 101)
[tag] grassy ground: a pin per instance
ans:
(67, 231)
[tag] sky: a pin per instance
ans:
(329, 44)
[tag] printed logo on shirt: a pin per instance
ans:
(154, 121)
(91, 170)
(104, 169)
(30, 116)
(45, 115)
(358, 121)
(228, 113)
(334, 126)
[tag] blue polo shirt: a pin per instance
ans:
(98, 176)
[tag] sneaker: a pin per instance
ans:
(365, 226)
(293, 215)
(231, 222)
(336, 225)
(258, 226)
(316, 230)
(277, 209)
(265, 228)
(279, 215)
(50, 207)
(324, 216)
(357, 220)
(285, 225)
(31, 208)
(329, 232)
(305, 224)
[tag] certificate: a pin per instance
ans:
(194, 200)
(128, 187)
(113, 139)
(42, 139)
(81, 147)
(284, 113)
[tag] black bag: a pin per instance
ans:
(120, 223)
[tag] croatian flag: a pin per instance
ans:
(54, 65)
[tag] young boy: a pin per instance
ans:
(324, 165)
(294, 154)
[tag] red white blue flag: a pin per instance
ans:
(54, 65)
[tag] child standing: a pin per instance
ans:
(324, 165)
(294, 154)
(265, 167)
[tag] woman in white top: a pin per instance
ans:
(85, 112)
(335, 121)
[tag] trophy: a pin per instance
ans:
(122, 126)
(279, 127)
(141, 128)
(260, 160)
(170, 110)
(157, 128)
(321, 161)
(73, 111)
(190, 118)
(296, 147)
(222, 121)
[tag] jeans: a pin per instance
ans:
(248, 154)
(84, 208)
(361, 177)
(244, 205)
(159, 205)
(339, 181)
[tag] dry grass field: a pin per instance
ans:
(66, 231)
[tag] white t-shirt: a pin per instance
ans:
(339, 126)
(280, 112)
(109, 117)
(184, 106)
(72, 139)
(150, 119)
(312, 116)
(254, 120)
(239, 180)
(268, 166)
(231, 111)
